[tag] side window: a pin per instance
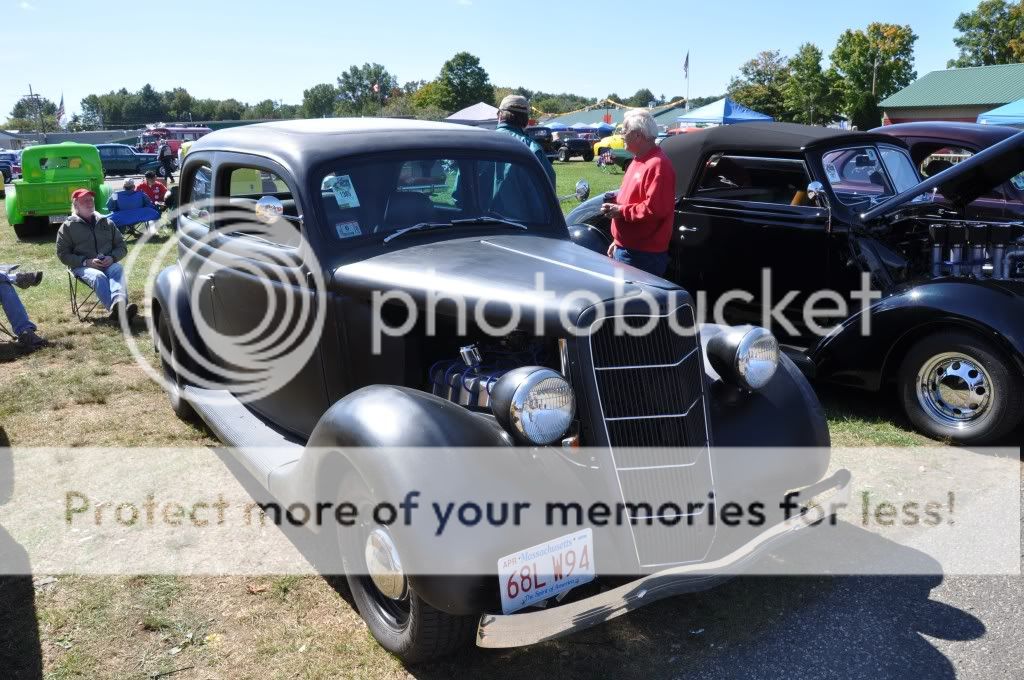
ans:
(947, 157)
(200, 191)
(754, 178)
(245, 187)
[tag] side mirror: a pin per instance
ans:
(815, 190)
(269, 209)
(582, 190)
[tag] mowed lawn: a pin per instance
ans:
(86, 390)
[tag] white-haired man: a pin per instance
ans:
(644, 208)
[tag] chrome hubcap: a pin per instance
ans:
(383, 565)
(954, 389)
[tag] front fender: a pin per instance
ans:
(397, 440)
(784, 418)
(170, 294)
(587, 212)
(11, 205)
(989, 308)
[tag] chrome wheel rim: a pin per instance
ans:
(954, 389)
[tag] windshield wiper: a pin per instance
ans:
(422, 226)
(417, 227)
(489, 220)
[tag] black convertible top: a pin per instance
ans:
(686, 150)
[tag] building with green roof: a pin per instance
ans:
(957, 94)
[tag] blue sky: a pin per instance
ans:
(257, 50)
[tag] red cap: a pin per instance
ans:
(79, 193)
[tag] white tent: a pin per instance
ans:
(480, 115)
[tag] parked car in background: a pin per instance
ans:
(613, 141)
(936, 146)
(121, 159)
(820, 208)
(569, 144)
(50, 173)
(379, 202)
(6, 171)
(12, 159)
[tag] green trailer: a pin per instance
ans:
(49, 175)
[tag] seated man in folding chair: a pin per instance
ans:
(130, 207)
(91, 247)
(22, 327)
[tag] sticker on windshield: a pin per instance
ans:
(344, 192)
(348, 229)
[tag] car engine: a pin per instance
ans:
(980, 250)
(467, 380)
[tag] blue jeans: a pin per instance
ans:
(15, 311)
(652, 263)
(109, 284)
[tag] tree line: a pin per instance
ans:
(865, 66)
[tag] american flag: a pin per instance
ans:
(61, 118)
(686, 66)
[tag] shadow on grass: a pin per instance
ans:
(21, 656)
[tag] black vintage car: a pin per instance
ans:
(428, 214)
(936, 146)
(562, 145)
(821, 208)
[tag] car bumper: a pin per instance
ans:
(515, 630)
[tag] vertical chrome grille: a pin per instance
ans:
(650, 389)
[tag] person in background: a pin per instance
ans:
(130, 207)
(165, 155)
(513, 117)
(155, 190)
(92, 248)
(644, 209)
(21, 325)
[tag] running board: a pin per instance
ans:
(256, 445)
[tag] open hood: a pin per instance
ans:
(965, 181)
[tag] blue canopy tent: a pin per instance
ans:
(1009, 114)
(556, 126)
(602, 127)
(723, 112)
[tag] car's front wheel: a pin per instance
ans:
(954, 385)
(400, 621)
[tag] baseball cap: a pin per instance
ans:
(515, 103)
(79, 193)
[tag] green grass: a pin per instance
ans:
(570, 172)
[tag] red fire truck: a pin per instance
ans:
(149, 140)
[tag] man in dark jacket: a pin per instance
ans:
(166, 157)
(92, 248)
(513, 117)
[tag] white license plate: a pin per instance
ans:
(57, 219)
(532, 575)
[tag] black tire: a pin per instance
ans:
(23, 230)
(588, 156)
(409, 628)
(167, 347)
(954, 385)
(563, 154)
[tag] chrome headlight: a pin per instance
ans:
(534, 404)
(746, 357)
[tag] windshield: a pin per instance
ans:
(901, 169)
(857, 177)
(1018, 182)
(379, 197)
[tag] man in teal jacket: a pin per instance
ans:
(513, 116)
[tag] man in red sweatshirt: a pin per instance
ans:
(644, 209)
